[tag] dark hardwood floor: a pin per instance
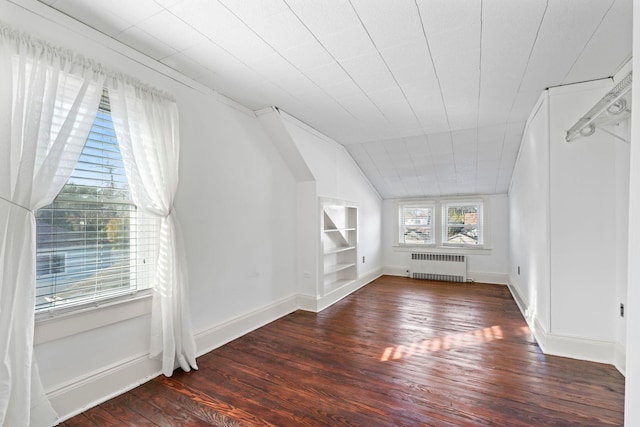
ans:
(398, 352)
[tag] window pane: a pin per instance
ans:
(417, 235)
(417, 216)
(416, 225)
(462, 224)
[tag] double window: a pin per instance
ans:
(442, 222)
(92, 241)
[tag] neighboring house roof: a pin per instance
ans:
(45, 233)
(462, 239)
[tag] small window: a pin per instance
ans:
(416, 224)
(92, 242)
(462, 224)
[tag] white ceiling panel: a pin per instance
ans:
(351, 42)
(455, 48)
(186, 65)
(132, 12)
(95, 16)
(308, 56)
(430, 97)
(389, 23)
(601, 56)
(142, 41)
(369, 72)
(182, 36)
(508, 36)
(565, 31)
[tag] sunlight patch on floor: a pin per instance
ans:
(466, 339)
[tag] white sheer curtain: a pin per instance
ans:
(48, 100)
(146, 124)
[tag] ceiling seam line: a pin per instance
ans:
(231, 55)
(588, 41)
(433, 64)
(504, 138)
(334, 58)
(384, 178)
(289, 62)
(435, 71)
(396, 171)
(435, 171)
(387, 66)
(526, 67)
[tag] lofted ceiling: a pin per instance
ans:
(430, 97)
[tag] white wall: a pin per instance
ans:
(568, 220)
(488, 265)
(583, 214)
(237, 205)
(632, 384)
(622, 174)
(529, 218)
(337, 176)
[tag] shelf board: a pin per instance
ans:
(330, 230)
(337, 267)
(338, 250)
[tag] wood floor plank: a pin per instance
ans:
(398, 352)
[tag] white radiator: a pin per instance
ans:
(444, 267)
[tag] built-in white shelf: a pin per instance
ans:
(339, 244)
(338, 250)
(334, 268)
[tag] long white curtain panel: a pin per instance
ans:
(146, 124)
(49, 99)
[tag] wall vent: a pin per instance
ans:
(442, 267)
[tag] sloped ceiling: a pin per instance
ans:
(429, 97)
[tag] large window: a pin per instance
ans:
(441, 222)
(92, 242)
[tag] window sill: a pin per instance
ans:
(51, 326)
(463, 250)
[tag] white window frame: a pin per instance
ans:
(145, 230)
(401, 222)
(445, 221)
(439, 225)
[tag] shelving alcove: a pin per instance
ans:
(339, 244)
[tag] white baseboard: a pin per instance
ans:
(580, 348)
(476, 276)
(97, 387)
(316, 305)
(395, 270)
(223, 333)
(338, 294)
(522, 304)
(621, 358)
(485, 277)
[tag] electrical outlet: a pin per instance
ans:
(621, 310)
(363, 259)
